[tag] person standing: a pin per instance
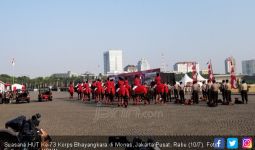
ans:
(181, 93)
(215, 89)
(169, 92)
(228, 91)
(195, 89)
(204, 91)
(223, 91)
(176, 91)
(244, 91)
(209, 91)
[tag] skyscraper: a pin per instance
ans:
(185, 66)
(228, 64)
(113, 62)
(248, 67)
(143, 64)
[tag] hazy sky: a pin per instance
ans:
(50, 36)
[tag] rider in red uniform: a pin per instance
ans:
(86, 89)
(79, 90)
(71, 89)
(137, 83)
(157, 79)
(99, 87)
(123, 92)
(108, 86)
(126, 84)
(112, 86)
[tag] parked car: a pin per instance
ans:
(45, 94)
(5, 97)
(22, 97)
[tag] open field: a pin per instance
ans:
(72, 117)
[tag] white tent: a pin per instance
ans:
(1, 86)
(186, 80)
(18, 86)
(200, 78)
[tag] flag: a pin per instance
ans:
(194, 72)
(210, 71)
(233, 81)
(13, 62)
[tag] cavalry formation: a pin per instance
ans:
(159, 92)
(122, 91)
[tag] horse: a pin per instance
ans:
(109, 94)
(140, 93)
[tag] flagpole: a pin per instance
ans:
(13, 64)
(12, 74)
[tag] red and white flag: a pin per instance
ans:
(13, 62)
(210, 71)
(233, 81)
(194, 72)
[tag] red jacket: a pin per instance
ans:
(79, 87)
(123, 90)
(157, 79)
(127, 84)
(137, 82)
(71, 88)
(86, 88)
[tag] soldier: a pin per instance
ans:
(215, 89)
(170, 91)
(181, 92)
(209, 91)
(195, 89)
(228, 91)
(223, 91)
(244, 91)
(204, 91)
(176, 89)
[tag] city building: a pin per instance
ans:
(69, 74)
(220, 77)
(228, 64)
(130, 68)
(88, 75)
(185, 67)
(113, 62)
(204, 71)
(248, 67)
(143, 64)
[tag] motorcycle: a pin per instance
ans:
(25, 134)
